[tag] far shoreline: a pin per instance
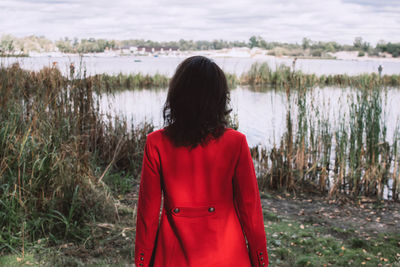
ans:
(255, 53)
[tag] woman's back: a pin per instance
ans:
(203, 172)
(200, 225)
(206, 174)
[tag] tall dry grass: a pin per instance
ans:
(55, 150)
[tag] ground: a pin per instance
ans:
(314, 231)
(367, 215)
(302, 230)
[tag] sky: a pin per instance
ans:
(161, 20)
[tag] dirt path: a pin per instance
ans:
(365, 218)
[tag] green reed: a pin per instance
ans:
(353, 158)
(55, 150)
(111, 83)
(262, 74)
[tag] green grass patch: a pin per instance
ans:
(265, 195)
(291, 243)
(119, 183)
(269, 216)
(18, 260)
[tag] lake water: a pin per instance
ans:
(167, 65)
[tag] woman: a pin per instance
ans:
(205, 172)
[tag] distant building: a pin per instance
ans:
(147, 50)
(126, 49)
(157, 49)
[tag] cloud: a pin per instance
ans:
(275, 20)
(374, 3)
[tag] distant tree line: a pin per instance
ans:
(391, 48)
(100, 45)
(185, 45)
(9, 44)
(90, 45)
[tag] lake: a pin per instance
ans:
(167, 65)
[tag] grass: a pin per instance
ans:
(18, 260)
(291, 243)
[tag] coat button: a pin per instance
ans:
(141, 258)
(261, 253)
(211, 209)
(176, 210)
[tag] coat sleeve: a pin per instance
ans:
(148, 210)
(248, 206)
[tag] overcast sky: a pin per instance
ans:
(274, 20)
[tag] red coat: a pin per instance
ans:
(211, 202)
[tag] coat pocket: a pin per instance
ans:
(194, 211)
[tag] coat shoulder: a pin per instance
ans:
(234, 134)
(158, 136)
(155, 136)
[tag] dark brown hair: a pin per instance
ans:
(196, 106)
